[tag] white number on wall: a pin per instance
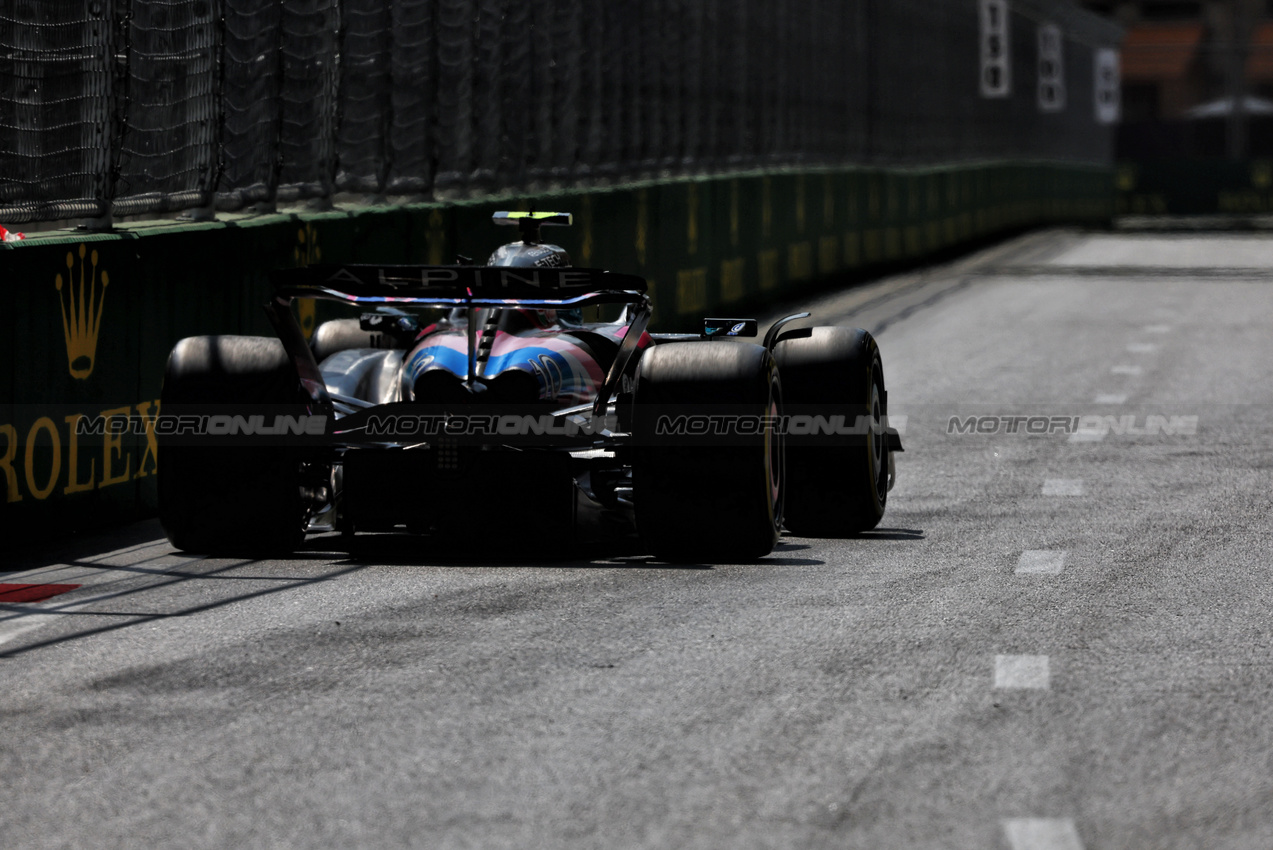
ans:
(1051, 68)
(996, 52)
(1108, 86)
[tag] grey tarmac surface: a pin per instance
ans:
(1055, 640)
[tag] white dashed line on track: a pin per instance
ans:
(1022, 672)
(1126, 370)
(1111, 398)
(1141, 347)
(1157, 329)
(1088, 434)
(1041, 562)
(1063, 487)
(1042, 834)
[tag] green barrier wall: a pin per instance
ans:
(89, 319)
(1197, 186)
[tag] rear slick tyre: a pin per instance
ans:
(717, 497)
(223, 499)
(837, 486)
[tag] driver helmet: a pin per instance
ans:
(533, 255)
(543, 256)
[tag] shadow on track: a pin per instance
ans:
(421, 551)
(893, 534)
(138, 619)
(883, 534)
(335, 556)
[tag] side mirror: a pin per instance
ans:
(713, 328)
(386, 323)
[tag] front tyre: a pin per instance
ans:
(714, 496)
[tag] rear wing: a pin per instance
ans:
(558, 219)
(460, 286)
(530, 222)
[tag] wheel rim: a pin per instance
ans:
(877, 437)
(773, 450)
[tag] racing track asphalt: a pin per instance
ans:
(1054, 640)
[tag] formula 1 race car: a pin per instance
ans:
(478, 401)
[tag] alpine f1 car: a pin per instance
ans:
(478, 401)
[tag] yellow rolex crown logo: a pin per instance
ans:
(1262, 175)
(307, 252)
(1126, 179)
(435, 238)
(81, 300)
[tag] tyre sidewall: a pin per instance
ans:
(837, 486)
(708, 498)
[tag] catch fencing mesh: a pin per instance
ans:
(57, 109)
(251, 101)
(167, 154)
(130, 107)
